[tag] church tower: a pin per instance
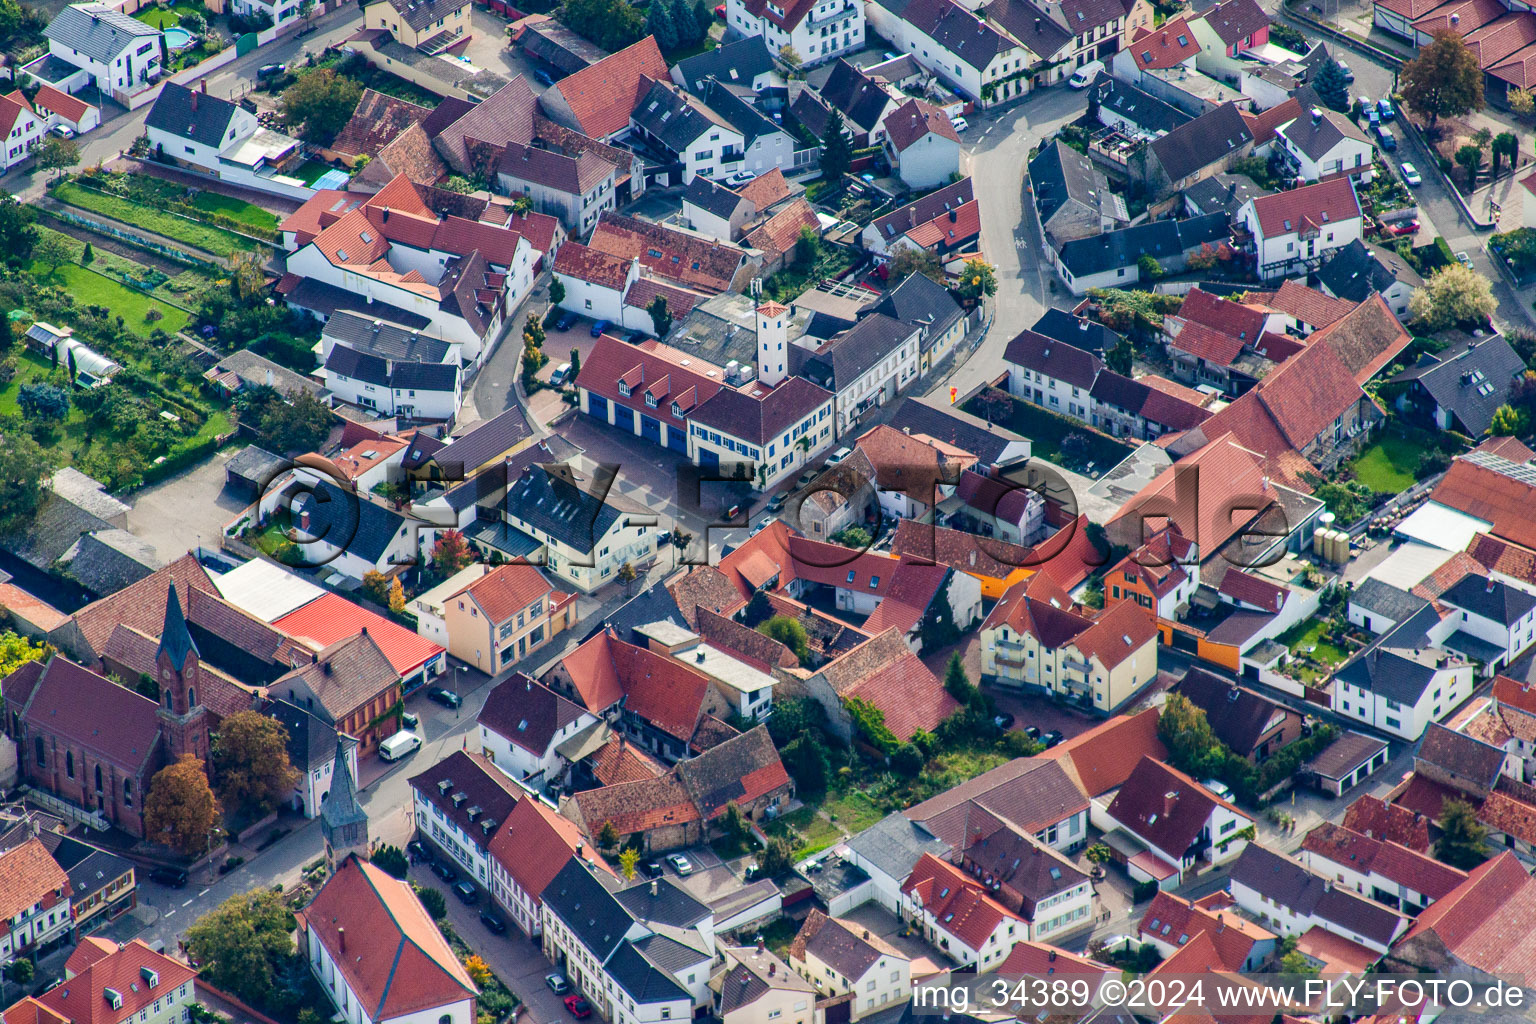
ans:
(343, 822)
(183, 721)
(772, 335)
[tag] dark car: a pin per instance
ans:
(271, 70)
(1003, 721)
(447, 698)
(173, 877)
(1032, 731)
(653, 869)
(579, 1007)
(1051, 738)
(566, 321)
(776, 504)
(544, 76)
(493, 923)
(445, 871)
(466, 893)
(415, 850)
(599, 327)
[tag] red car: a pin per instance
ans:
(579, 1007)
(1406, 227)
(720, 12)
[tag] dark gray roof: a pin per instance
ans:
(190, 114)
(1397, 665)
(326, 300)
(1385, 600)
(1490, 598)
(420, 14)
(1459, 756)
(1358, 270)
(737, 113)
(106, 561)
(483, 442)
(1470, 379)
(1059, 175)
(642, 980)
(57, 526)
(98, 31)
(424, 377)
(668, 954)
(350, 521)
(592, 913)
(1132, 104)
(341, 808)
(1222, 193)
(734, 63)
(1160, 239)
(1345, 754)
(666, 114)
(1239, 716)
(895, 843)
(921, 302)
(557, 507)
(1031, 25)
(654, 604)
(925, 209)
(311, 740)
(1291, 885)
(1318, 131)
(985, 441)
(844, 360)
(490, 487)
(1077, 331)
(716, 199)
(670, 905)
(1053, 358)
(382, 338)
(953, 27)
(255, 464)
(1212, 136)
(363, 366)
(856, 95)
(89, 868)
(760, 420)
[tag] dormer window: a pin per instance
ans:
(624, 388)
(650, 401)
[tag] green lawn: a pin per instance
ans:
(1388, 466)
(155, 17)
(92, 289)
(1046, 430)
(210, 239)
(1306, 638)
(310, 170)
(809, 832)
(854, 811)
(246, 213)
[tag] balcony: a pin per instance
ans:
(842, 12)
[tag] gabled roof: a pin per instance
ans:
(1373, 816)
(757, 414)
(28, 877)
(98, 31)
(908, 123)
(1307, 209)
(505, 116)
(841, 362)
(185, 113)
(602, 96)
(471, 792)
(1369, 855)
(849, 949)
(1236, 20)
(1470, 379)
(1135, 105)
(920, 211)
(1239, 716)
(1290, 885)
(1030, 793)
(1166, 47)
(958, 905)
(1490, 598)
(735, 63)
(1359, 269)
(377, 121)
(1459, 757)
(671, 116)
(124, 970)
(1319, 132)
(1366, 339)
(1175, 920)
(1211, 137)
(392, 956)
(535, 843)
(1053, 359)
(1485, 921)
(1060, 174)
(1102, 758)
(693, 260)
(743, 769)
(88, 709)
(527, 713)
(637, 807)
(1164, 807)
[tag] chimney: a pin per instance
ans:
(194, 105)
(384, 217)
(1489, 589)
(1170, 798)
(655, 887)
(341, 938)
(1317, 117)
(1051, 956)
(954, 215)
(579, 847)
(304, 520)
(203, 85)
(773, 969)
(761, 945)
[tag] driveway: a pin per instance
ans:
(189, 508)
(488, 48)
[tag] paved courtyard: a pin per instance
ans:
(189, 508)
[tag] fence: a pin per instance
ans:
(130, 238)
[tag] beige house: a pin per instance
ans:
(497, 619)
(756, 987)
(843, 958)
(430, 25)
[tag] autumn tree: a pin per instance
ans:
(451, 552)
(16, 650)
(181, 810)
(1444, 80)
(629, 859)
(376, 586)
(1463, 841)
(1454, 294)
(397, 596)
(1507, 422)
(250, 761)
(241, 944)
(247, 275)
(977, 280)
(1522, 101)
(908, 260)
(791, 57)
(627, 575)
(322, 102)
(478, 970)
(608, 835)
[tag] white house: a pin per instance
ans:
(364, 934)
(38, 904)
(818, 32)
(120, 55)
(976, 59)
(527, 852)
(1377, 868)
(1285, 896)
(589, 538)
(521, 724)
(1293, 231)
(1495, 612)
(223, 139)
(922, 144)
(22, 129)
(841, 957)
(1404, 680)
(1051, 374)
(959, 916)
(406, 389)
(459, 803)
(686, 132)
(1324, 144)
(865, 366)
(1181, 824)
(577, 189)
(61, 110)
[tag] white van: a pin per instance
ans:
(398, 745)
(1083, 77)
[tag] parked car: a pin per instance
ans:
(720, 12)
(762, 524)
(1384, 107)
(173, 877)
(1411, 176)
(557, 984)
(415, 850)
(682, 865)
(599, 327)
(1003, 721)
(960, 123)
(399, 745)
(839, 456)
(739, 178)
(561, 375)
(493, 924)
(567, 319)
(1051, 738)
(1386, 138)
(579, 1007)
(271, 71)
(543, 76)
(63, 131)
(1373, 115)
(1032, 731)
(410, 720)
(776, 503)
(444, 870)
(1404, 227)
(466, 893)
(447, 698)
(1464, 259)
(653, 869)
(1349, 76)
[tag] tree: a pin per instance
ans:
(57, 153)
(181, 810)
(322, 101)
(21, 971)
(1470, 157)
(608, 835)
(1522, 101)
(1297, 962)
(837, 150)
(908, 760)
(376, 586)
(1505, 144)
(301, 424)
(522, 206)
(1463, 839)
(1444, 80)
(1184, 730)
(575, 363)
(611, 24)
(759, 609)
(735, 825)
(1121, 358)
(791, 57)
(908, 260)
(629, 857)
(1454, 294)
(1149, 268)
(856, 537)
(87, 256)
(956, 681)
(1330, 86)
(805, 758)
(25, 468)
(451, 552)
(396, 596)
(43, 402)
(703, 16)
(392, 860)
(627, 576)
(661, 318)
(478, 970)
(777, 859)
(790, 633)
(16, 650)
(659, 24)
(1098, 853)
(533, 331)
(1507, 421)
(250, 760)
(689, 29)
(247, 275)
(807, 247)
(52, 251)
(978, 279)
(433, 902)
(556, 291)
(17, 235)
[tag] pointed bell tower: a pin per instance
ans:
(183, 721)
(343, 822)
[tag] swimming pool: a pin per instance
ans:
(178, 38)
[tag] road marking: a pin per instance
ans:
(203, 893)
(188, 903)
(169, 913)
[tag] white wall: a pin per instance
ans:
(930, 161)
(349, 1007)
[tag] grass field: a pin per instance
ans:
(810, 832)
(311, 170)
(215, 241)
(91, 289)
(237, 209)
(853, 811)
(1306, 638)
(1388, 466)
(155, 17)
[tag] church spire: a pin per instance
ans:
(175, 639)
(343, 822)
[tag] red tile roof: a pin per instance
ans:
(1161, 48)
(765, 189)
(29, 876)
(602, 96)
(1491, 496)
(637, 807)
(912, 589)
(1173, 919)
(794, 12)
(1372, 855)
(690, 259)
(61, 103)
(1165, 807)
(1200, 512)
(1366, 338)
(534, 843)
(957, 905)
(111, 721)
(331, 618)
(142, 604)
(122, 969)
(915, 118)
(585, 264)
(668, 375)
(392, 955)
(619, 761)
(1037, 959)
(1117, 633)
(1207, 343)
(1233, 319)
(1307, 209)
(1262, 125)
(1485, 921)
(779, 233)
(507, 590)
(949, 230)
(14, 107)
(1308, 305)
(1102, 758)
(594, 674)
(1249, 589)
(1469, 14)
(1373, 816)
